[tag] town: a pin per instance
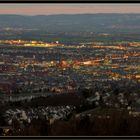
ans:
(93, 75)
(65, 68)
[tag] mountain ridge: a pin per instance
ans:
(99, 22)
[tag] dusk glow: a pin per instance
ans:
(47, 9)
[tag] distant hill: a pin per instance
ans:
(79, 22)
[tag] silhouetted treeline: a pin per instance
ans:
(118, 124)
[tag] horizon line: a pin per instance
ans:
(69, 14)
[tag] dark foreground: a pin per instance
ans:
(118, 123)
